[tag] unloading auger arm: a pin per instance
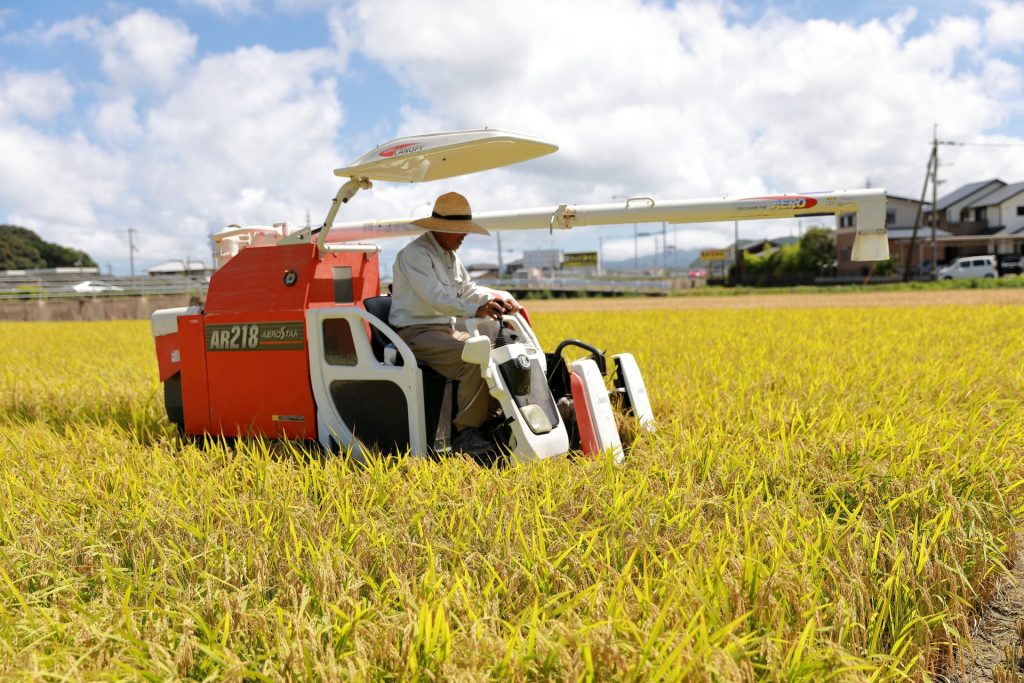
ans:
(870, 240)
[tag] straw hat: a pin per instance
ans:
(451, 214)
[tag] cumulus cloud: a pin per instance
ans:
(249, 119)
(58, 181)
(671, 101)
(116, 120)
(145, 49)
(243, 136)
(1005, 23)
(81, 29)
(681, 99)
(687, 100)
(225, 7)
(38, 96)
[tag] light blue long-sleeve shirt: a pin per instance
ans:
(431, 286)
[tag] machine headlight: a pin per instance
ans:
(536, 418)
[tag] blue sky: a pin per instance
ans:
(177, 118)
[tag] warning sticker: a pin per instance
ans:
(289, 336)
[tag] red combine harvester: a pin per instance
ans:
(293, 341)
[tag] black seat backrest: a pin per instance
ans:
(433, 382)
(379, 306)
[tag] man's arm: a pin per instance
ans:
(506, 299)
(418, 269)
(504, 303)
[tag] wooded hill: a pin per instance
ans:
(20, 248)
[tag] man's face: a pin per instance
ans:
(449, 241)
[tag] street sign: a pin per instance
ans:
(579, 259)
(712, 254)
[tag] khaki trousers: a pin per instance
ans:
(440, 347)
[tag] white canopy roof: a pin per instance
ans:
(443, 155)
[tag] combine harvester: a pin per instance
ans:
(293, 341)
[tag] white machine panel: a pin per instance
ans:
(598, 408)
(628, 373)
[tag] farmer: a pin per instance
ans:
(431, 288)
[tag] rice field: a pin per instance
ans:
(833, 494)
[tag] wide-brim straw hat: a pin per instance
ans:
(451, 214)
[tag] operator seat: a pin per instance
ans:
(379, 306)
(434, 383)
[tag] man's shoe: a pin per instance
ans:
(471, 441)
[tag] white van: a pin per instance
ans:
(968, 267)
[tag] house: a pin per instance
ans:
(985, 217)
(901, 214)
(954, 210)
(1001, 211)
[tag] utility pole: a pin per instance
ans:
(736, 250)
(131, 252)
(501, 265)
(935, 186)
(636, 250)
(664, 247)
(931, 172)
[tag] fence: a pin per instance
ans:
(28, 288)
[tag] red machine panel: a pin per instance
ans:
(263, 279)
(194, 389)
(248, 368)
(584, 422)
(257, 370)
(168, 355)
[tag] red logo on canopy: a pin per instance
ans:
(789, 201)
(398, 150)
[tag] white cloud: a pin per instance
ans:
(249, 138)
(38, 96)
(58, 181)
(671, 101)
(116, 120)
(1004, 25)
(680, 101)
(304, 5)
(341, 37)
(226, 7)
(80, 29)
(145, 49)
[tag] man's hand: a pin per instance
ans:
(509, 305)
(492, 309)
(497, 307)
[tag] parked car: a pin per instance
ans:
(1010, 264)
(967, 267)
(94, 287)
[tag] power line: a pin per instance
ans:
(954, 143)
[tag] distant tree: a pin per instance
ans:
(20, 248)
(817, 249)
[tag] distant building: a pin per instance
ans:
(1001, 211)
(181, 268)
(985, 217)
(954, 210)
(900, 216)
